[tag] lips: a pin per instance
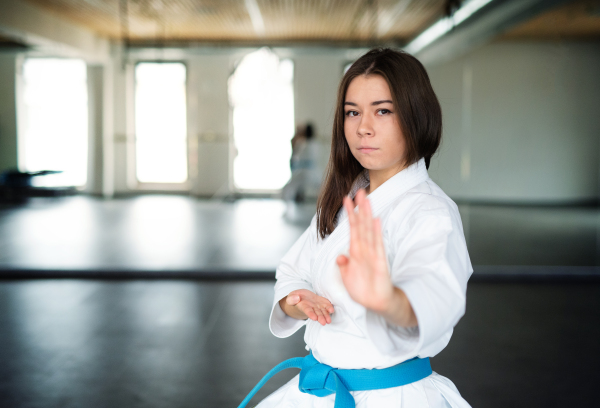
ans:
(367, 149)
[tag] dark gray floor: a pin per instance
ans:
(169, 343)
(177, 235)
(173, 344)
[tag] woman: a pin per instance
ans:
(376, 294)
(306, 177)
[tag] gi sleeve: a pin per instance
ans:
(293, 273)
(431, 266)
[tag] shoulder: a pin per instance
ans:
(424, 197)
(424, 201)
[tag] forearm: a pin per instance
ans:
(398, 310)
(291, 311)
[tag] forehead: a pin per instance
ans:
(368, 88)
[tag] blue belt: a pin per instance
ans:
(321, 380)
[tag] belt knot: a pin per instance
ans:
(316, 378)
(322, 380)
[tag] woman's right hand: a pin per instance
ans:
(303, 304)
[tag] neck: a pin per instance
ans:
(378, 177)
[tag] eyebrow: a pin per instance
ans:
(372, 103)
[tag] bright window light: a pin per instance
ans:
(160, 122)
(262, 95)
(54, 129)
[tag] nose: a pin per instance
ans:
(365, 127)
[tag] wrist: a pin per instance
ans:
(397, 309)
(291, 310)
(282, 303)
(384, 304)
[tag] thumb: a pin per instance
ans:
(293, 300)
(342, 261)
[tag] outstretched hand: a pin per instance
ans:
(302, 304)
(364, 271)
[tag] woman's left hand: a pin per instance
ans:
(365, 272)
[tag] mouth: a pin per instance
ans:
(367, 149)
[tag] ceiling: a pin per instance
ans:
(576, 20)
(274, 22)
(8, 42)
(251, 21)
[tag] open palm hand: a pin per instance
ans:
(364, 271)
(311, 306)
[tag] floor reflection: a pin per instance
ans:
(175, 233)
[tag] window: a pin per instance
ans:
(54, 128)
(262, 96)
(160, 122)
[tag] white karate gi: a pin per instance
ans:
(428, 260)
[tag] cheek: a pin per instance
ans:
(397, 137)
(399, 148)
(349, 132)
(347, 128)
(396, 146)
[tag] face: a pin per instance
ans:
(371, 125)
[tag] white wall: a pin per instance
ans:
(316, 83)
(316, 79)
(209, 123)
(317, 73)
(101, 138)
(521, 123)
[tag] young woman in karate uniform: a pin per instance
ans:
(380, 275)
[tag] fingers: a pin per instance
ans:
(292, 300)
(318, 312)
(365, 218)
(362, 234)
(327, 309)
(315, 307)
(378, 238)
(310, 313)
(360, 217)
(320, 316)
(349, 206)
(326, 315)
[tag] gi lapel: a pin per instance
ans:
(397, 185)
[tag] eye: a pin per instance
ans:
(384, 111)
(351, 113)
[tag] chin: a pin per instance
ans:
(371, 164)
(365, 164)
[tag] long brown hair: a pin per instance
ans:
(419, 115)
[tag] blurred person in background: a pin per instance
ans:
(306, 178)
